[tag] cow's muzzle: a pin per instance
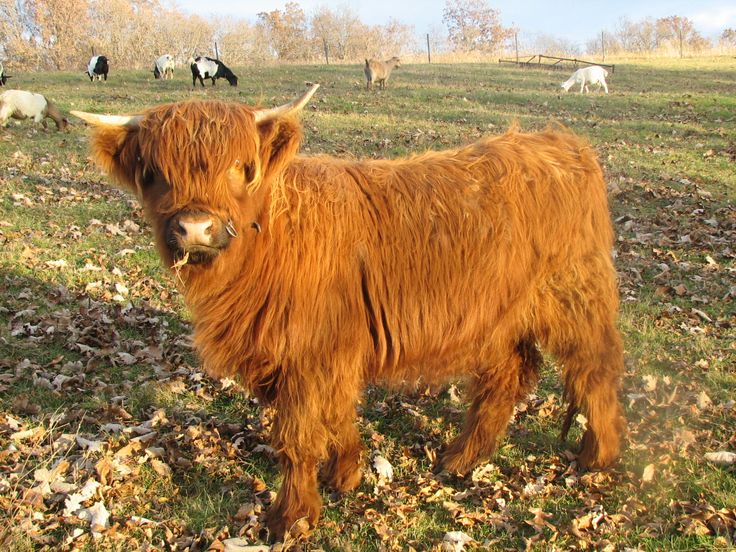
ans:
(198, 235)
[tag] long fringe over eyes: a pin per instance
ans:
(189, 142)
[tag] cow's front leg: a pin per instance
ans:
(300, 437)
(297, 499)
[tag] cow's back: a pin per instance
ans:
(438, 247)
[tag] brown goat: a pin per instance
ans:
(378, 72)
(309, 277)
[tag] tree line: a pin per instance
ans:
(666, 35)
(63, 34)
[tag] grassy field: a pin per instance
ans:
(112, 439)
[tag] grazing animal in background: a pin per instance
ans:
(585, 76)
(163, 67)
(378, 72)
(20, 104)
(97, 68)
(3, 77)
(310, 277)
(208, 68)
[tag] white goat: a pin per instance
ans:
(163, 68)
(20, 104)
(585, 76)
(378, 72)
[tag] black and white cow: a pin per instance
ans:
(97, 68)
(208, 68)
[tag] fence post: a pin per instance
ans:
(603, 47)
(217, 54)
(429, 53)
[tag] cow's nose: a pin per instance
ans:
(196, 231)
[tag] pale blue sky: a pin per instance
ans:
(575, 21)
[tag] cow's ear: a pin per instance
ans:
(279, 143)
(113, 150)
(114, 154)
(280, 133)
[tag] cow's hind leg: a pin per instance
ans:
(592, 372)
(342, 469)
(582, 335)
(495, 393)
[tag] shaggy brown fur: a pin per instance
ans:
(444, 264)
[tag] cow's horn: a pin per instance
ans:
(130, 121)
(283, 110)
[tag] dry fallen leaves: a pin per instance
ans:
(383, 468)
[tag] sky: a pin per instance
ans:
(575, 21)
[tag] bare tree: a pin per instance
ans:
(626, 33)
(287, 32)
(474, 26)
(112, 33)
(554, 46)
(17, 31)
(607, 43)
(60, 27)
(397, 37)
(438, 39)
(728, 38)
(680, 32)
(240, 42)
(184, 35)
(645, 37)
(342, 31)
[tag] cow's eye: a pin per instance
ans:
(147, 177)
(250, 172)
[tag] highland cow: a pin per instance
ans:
(310, 277)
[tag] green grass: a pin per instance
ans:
(667, 141)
